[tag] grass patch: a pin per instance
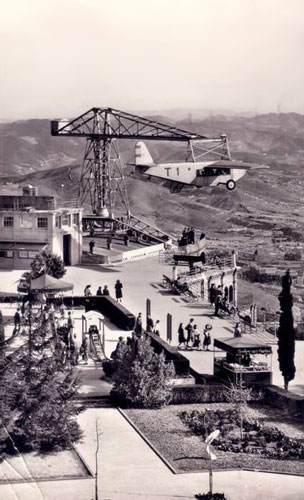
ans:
(185, 451)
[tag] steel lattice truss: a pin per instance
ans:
(102, 174)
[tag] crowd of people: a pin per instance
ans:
(105, 291)
(190, 337)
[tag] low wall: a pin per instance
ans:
(138, 253)
(199, 393)
(105, 304)
(285, 400)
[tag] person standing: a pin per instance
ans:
(156, 328)
(150, 324)
(85, 349)
(99, 291)
(207, 338)
(70, 323)
(237, 330)
(92, 245)
(87, 291)
(138, 325)
(17, 320)
(189, 330)
(105, 291)
(109, 243)
(181, 335)
(196, 337)
(118, 291)
(212, 294)
(126, 239)
(218, 300)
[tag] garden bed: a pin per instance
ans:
(185, 450)
(65, 464)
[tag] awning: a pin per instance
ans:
(48, 284)
(235, 345)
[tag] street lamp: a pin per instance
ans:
(264, 316)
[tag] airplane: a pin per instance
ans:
(194, 173)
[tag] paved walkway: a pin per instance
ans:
(128, 468)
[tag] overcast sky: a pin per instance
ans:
(61, 57)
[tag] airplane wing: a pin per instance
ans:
(233, 164)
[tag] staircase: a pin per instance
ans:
(146, 229)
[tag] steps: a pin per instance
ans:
(146, 229)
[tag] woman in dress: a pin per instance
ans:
(181, 335)
(207, 338)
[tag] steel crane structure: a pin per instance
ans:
(102, 177)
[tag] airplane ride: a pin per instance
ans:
(193, 173)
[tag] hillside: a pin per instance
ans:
(30, 154)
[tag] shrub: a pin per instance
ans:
(142, 377)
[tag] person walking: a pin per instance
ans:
(99, 291)
(181, 335)
(237, 330)
(118, 291)
(92, 245)
(189, 330)
(207, 338)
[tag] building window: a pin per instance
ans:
(66, 220)
(58, 221)
(76, 219)
(6, 253)
(23, 254)
(8, 221)
(42, 222)
(32, 254)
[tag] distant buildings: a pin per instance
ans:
(30, 223)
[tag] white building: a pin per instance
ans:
(30, 223)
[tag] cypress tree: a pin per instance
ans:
(286, 332)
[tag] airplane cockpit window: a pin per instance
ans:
(212, 172)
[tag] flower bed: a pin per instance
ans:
(185, 449)
(270, 442)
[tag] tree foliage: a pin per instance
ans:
(37, 411)
(286, 332)
(46, 262)
(142, 377)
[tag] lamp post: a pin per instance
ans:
(212, 456)
(264, 316)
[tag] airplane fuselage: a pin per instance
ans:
(194, 173)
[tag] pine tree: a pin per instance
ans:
(38, 411)
(286, 332)
(142, 377)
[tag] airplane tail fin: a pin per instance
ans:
(142, 155)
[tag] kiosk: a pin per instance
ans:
(243, 359)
